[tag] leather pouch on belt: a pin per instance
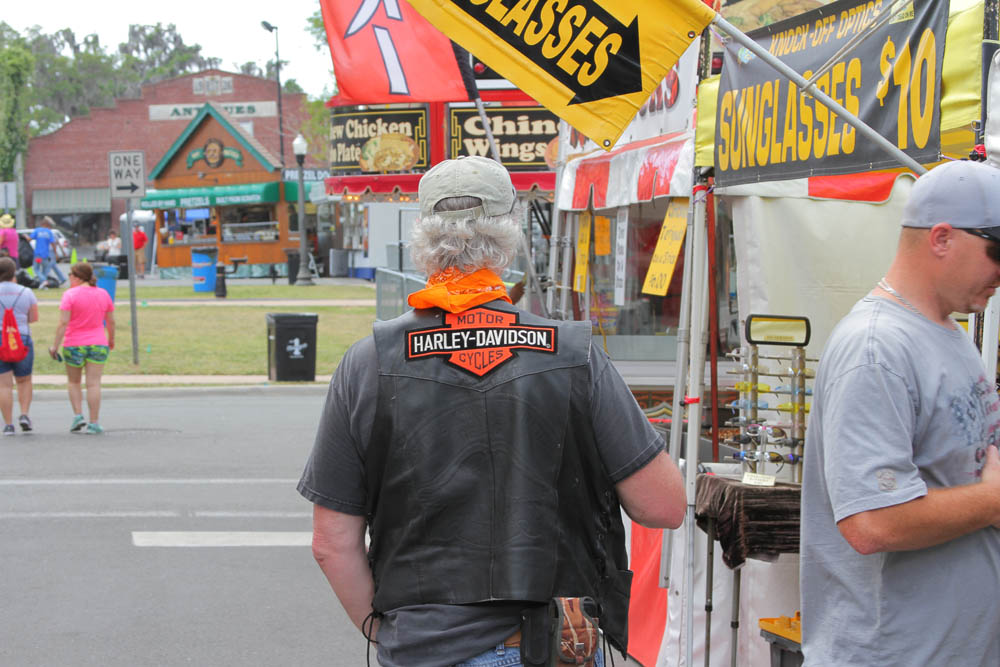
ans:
(575, 638)
(536, 634)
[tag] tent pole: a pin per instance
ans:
(558, 220)
(680, 377)
(683, 332)
(831, 104)
(696, 371)
(709, 573)
(987, 323)
(734, 623)
(713, 324)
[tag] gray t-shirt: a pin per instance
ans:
(21, 299)
(430, 635)
(901, 405)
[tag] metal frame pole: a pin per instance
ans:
(558, 222)
(566, 287)
(988, 322)
(304, 277)
(680, 378)
(696, 371)
(130, 254)
(277, 77)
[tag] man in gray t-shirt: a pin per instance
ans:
(901, 493)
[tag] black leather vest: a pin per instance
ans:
(483, 476)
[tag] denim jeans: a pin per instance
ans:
(51, 264)
(502, 656)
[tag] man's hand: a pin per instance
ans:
(516, 292)
(991, 475)
(942, 515)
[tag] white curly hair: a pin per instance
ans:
(440, 242)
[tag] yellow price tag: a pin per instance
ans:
(582, 253)
(602, 236)
(668, 246)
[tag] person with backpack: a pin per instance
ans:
(87, 333)
(44, 252)
(17, 351)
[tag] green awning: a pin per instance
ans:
(219, 195)
(71, 200)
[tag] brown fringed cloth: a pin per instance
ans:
(749, 520)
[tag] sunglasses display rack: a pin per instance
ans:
(771, 411)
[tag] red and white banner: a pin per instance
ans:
(383, 51)
(633, 173)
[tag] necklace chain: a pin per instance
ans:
(884, 284)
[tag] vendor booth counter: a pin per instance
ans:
(218, 186)
(241, 221)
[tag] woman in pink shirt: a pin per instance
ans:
(8, 236)
(87, 333)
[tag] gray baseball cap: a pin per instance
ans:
(964, 194)
(467, 177)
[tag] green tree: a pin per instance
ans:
(154, 53)
(316, 28)
(250, 68)
(69, 78)
(316, 130)
(291, 86)
(16, 64)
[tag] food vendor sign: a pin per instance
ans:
(767, 130)
(386, 140)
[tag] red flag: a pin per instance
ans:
(384, 51)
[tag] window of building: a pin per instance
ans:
(256, 222)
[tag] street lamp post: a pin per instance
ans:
(277, 74)
(304, 277)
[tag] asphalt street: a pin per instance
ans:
(176, 538)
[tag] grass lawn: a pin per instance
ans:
(264, 290)
(206, 340)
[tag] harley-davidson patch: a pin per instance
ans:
(479, 340)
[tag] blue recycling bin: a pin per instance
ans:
(107, 278)
(203, 267)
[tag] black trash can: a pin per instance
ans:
(291, 347)
(293, 264)
(121, 261)
(220, 281)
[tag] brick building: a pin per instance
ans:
(66, 172)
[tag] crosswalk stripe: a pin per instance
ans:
(73, 481)
(221, 539)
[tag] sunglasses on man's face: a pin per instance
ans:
(993, 249)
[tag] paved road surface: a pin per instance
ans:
(175, 467)
(177, 538)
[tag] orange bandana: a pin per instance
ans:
(456, 292)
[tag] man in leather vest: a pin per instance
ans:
(487, 450)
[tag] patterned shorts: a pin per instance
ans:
(78, 355)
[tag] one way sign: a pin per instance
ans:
(127, 174)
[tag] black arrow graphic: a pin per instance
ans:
(131, 187)
(623, 74)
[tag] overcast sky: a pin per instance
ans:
(225, 29)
